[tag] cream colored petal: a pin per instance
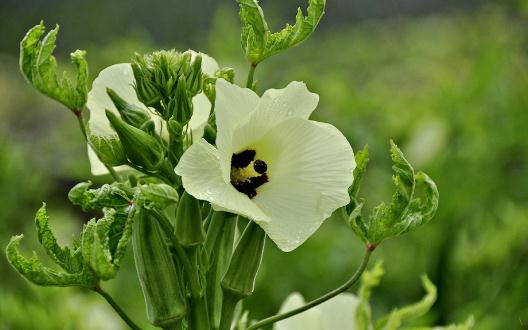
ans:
(232, 107)
(118, 77)
(310, 167)
(295, 100)
(308, 320)
(275, 106)
(200, 116)
(202, 177)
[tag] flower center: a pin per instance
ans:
(247, 174)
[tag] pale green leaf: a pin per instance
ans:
(369, 280)
(69, 260)
(115, 196)
(39, 66)
(33, 270)
(405, 212)
(157, 196)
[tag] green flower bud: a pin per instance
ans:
(157, 273)
(182, 110)
(189, 227)
(131, 114)
(108, 149)
(141, 149)
(239, 279)
(227, 74)
(146, 91)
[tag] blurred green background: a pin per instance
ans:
(447, 80)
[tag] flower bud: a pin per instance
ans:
(157, 273)
(145, 89)
(141, 149)
(131, 114)
(189, 227)
(239, 279)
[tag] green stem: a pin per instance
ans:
(82, 125)
(320, 300)
(251, 74)
(116, 307)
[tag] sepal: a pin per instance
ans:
(141, 149)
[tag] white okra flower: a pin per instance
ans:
(120, 78)
(271, 163)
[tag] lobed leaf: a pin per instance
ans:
(405, 212)
(39, 66)
(33, 270)
(257, 40)
(157, 196)
(113, 195)
(395, 319)
(69, 260)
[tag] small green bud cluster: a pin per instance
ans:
(167, 81)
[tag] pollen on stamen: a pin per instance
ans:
(248, 174)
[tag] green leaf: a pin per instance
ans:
(396, 318)
(33, 270)
(69, 260)
(291, 36)
(405, 212)
(254, 30)
(467, 325)
(257, 40)
(369, 280)
(115, 196)
(96, 243)
(39, 67)
(157, 196)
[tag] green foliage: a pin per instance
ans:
(98, 238)
(114, 195)
(260, 43)
(369, 280)
(395, 319)
(97, 257)
(405, 212)
(76, 273)
(157, 196)
(40, 68)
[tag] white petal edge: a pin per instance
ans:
(310, 167)
(295, 100)
(202, 177)
(209, 64)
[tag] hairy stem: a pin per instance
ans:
(345, 286)
(116, 307)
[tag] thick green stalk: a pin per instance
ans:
(116, 307)
(345, 286)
